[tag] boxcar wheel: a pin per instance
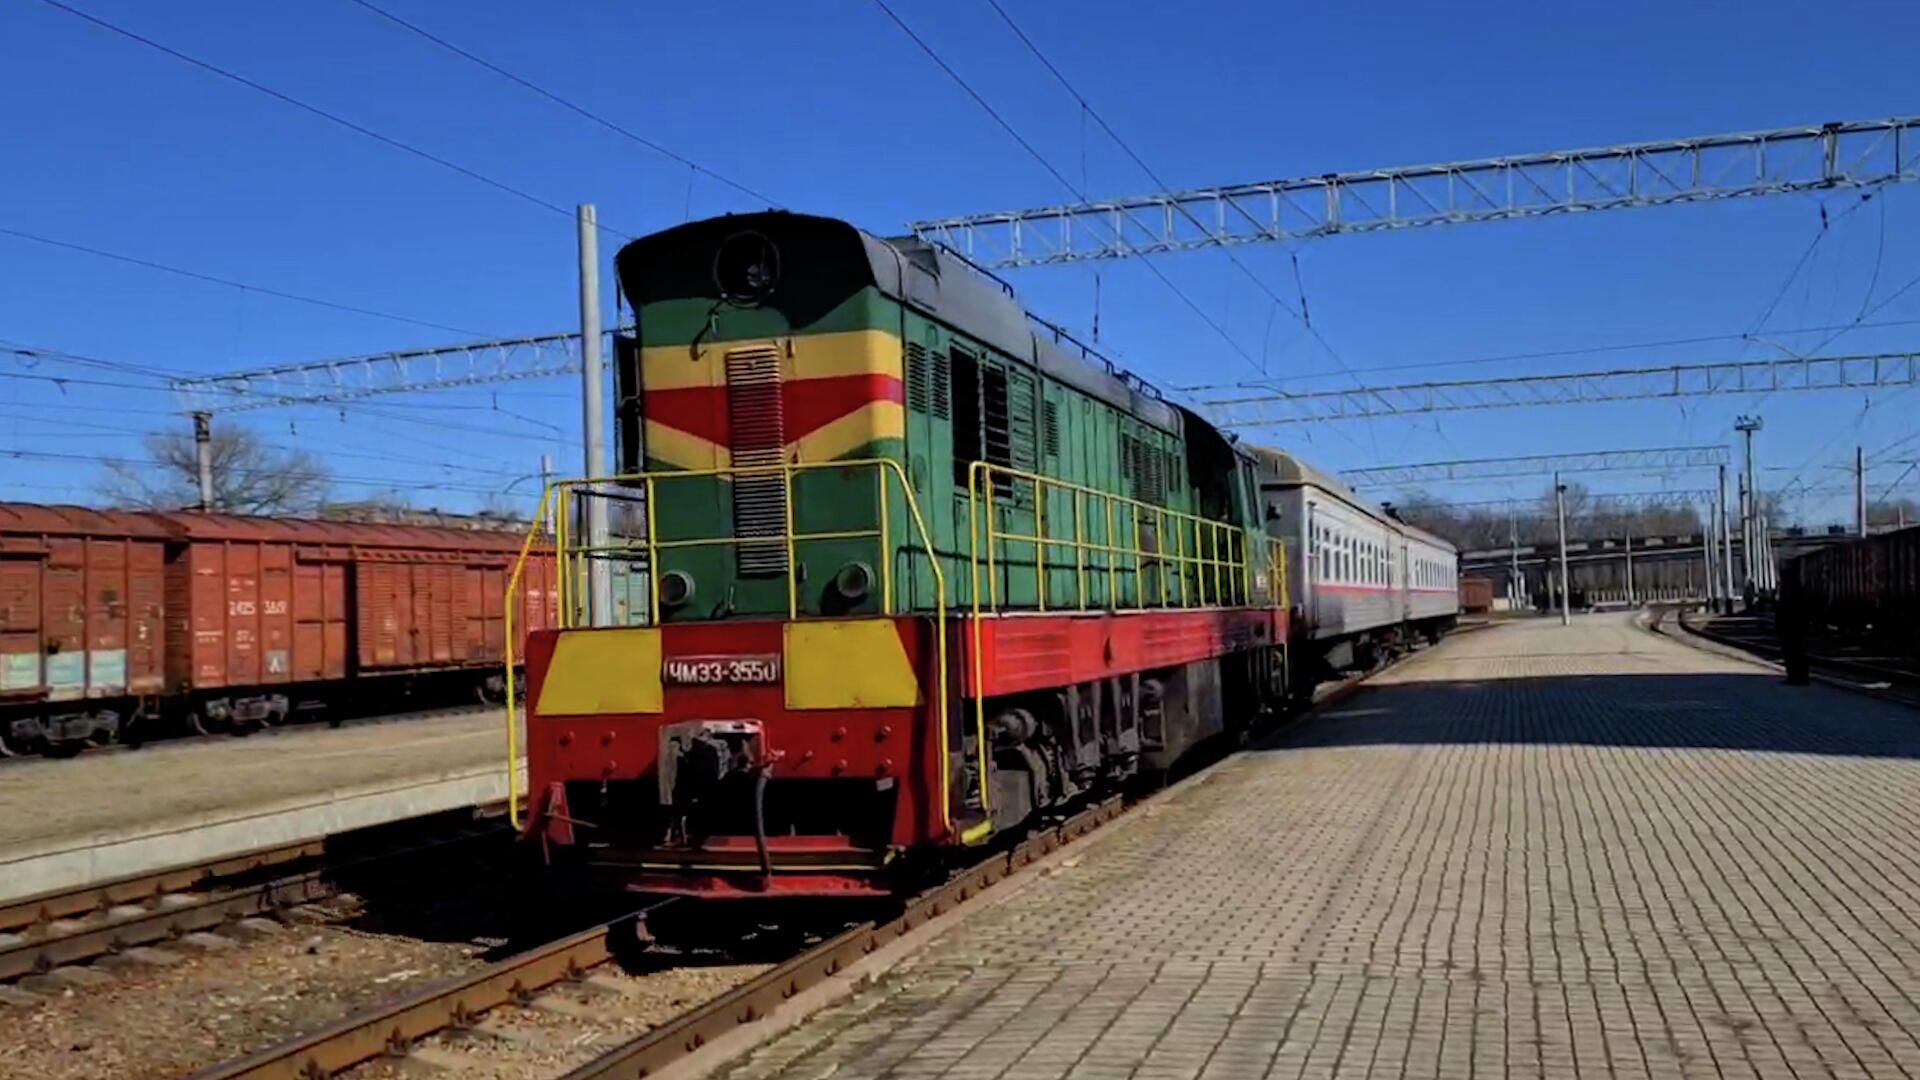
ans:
(198, 723)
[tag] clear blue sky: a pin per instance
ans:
(826, 107)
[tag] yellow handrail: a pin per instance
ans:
(558, 500)
(513, 588)
(1193, 546)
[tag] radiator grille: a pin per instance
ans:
(919, 393)
(756, 432)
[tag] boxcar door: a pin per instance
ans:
(146, 617)
(20, 617)
(106, 618)
(65, 593)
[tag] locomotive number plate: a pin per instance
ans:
(712, 670)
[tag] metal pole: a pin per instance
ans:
(1726, 547)
(203, 457)
(592, 401)
(1514, 584)
(1709, 544)
(1629, 568)
(1746, 539)
(1750, 512)
(546, 479)
(1860, 491)
(1560, 511)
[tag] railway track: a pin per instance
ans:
(44, 934)
(580, 980)
(1758, 640)
(185, 738)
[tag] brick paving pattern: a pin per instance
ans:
(1535, 851)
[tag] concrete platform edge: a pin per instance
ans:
(80, 862)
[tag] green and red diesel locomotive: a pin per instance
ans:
(919, 568)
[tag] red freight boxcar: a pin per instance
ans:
(219, 621)
(81, 601)
(1476, 595)
(1868, 587)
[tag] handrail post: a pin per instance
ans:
(563, 545)
(506, 624)
(1040, 543)
(1109, 556)
(886, 548)
(993, 536)
(1181, 564)
(793, 554)
(1079, 555)
(653, 554)
(1139, 558)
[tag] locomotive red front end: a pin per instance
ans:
(748, 758)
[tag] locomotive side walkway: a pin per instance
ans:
(1533, 851)
(64, 824)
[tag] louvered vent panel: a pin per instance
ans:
(1050, 428)
(942, 381)
(757, 435)
(1022, 439)
(919, 396)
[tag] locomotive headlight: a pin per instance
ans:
(676, 588)
(853, 582)
(746, 268)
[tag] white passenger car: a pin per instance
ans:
(1361, 581)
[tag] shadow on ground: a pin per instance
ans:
(1757, 712)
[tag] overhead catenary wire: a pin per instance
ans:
(281, 294)
(314, 110)
(110, 430)
(382, 410)
(1298, 313)
(1545, 354)
(1034, 152)
(564, 103)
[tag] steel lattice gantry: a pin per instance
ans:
(1786, 160)
(324, 381)
(1599, 503)
(1667, 457)
(1868, 372)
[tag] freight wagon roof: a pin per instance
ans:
(77, 521)
(198, 526)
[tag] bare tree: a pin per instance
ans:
(249, 475)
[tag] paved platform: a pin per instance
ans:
(67, 823)
(1533, 851)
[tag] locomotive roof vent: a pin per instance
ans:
(746, 268)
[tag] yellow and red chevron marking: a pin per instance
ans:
(839, 392)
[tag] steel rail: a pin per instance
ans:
(390, 1029)
(44, 908)
(1899, 681)
(757, 998)
(56, 929)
